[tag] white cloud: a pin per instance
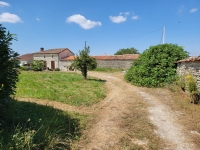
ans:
(126, 13)
(38, 19)
(82, 21)
(193, 10)
(2, 4)
(117, 19)
(135, 17)
(10, 18)
(180, 10)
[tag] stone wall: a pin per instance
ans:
(191, 67)
(124, 64)
(65, 64)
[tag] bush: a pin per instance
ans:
(24, 68)
(37, 65)
(57, 69)
(156, 66)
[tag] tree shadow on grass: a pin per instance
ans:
(44, 126)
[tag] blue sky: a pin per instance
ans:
(105, 25)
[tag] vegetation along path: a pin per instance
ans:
(115, 122)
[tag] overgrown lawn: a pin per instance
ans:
(32, 126)
(69, 88)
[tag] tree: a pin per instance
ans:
(84, 62)
(37, 65)
(131, 50)
(8, 69)
(156, 65)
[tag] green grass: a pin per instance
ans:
(32, 126)
(69, 88)
(110, 70)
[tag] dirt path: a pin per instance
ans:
(106, 132)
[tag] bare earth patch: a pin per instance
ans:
(107, 130)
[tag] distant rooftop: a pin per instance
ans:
(52, 51)
(25, 57)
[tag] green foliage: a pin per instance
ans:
(24, 68)
(57, 69)
(8, 70)
(131, 50)
(33, 126)
(84, 62)
(37, 65)
(156, 66)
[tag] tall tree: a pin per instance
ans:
(84, 62)
(131, 50)
(8, 69)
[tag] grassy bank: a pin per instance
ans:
(69, 88)
(31, 126)
(108, 70)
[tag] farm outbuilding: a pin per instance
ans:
(190, 65)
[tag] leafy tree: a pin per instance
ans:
(37, 65)
(84, 62)
(156, 65)
(8, 69)
(131, 50)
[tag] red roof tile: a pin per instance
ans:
(25, 57)
(52, 51)
(190, 59)
(114, 57)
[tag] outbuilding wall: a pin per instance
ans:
(124, 64)
(190, 67)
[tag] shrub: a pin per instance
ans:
(37, 65)
(57, 69)
(24, 68)
(156, 66)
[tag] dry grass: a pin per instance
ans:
(188, 113)
(139, 131)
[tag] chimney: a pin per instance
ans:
(41, 49)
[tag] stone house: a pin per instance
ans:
(52, 57)
(189, 65)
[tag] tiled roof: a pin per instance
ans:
(114, 57)
(190, 59)
(52, 51)
(118, 57)
(25, 57)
